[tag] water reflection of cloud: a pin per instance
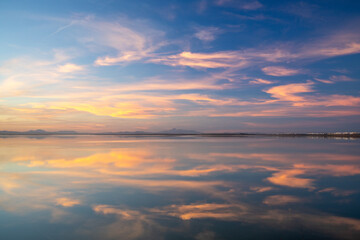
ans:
(67, 202)
(338, 227)
(281, 200)
(205, 210)
(288, 178)
(244, 186)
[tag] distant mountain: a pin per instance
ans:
(127, 132)
(37, 132)
(43, 132)
(179, 131)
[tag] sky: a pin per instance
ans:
(205, 65)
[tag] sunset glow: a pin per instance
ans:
(207, 65)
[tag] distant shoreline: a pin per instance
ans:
(319, 135)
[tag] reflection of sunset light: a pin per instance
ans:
(67, 202)
(281, 200)
(206, 210)
(288, 178)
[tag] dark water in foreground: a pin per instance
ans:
(95, 187)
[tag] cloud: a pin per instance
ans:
(261, 189)
(338, 43)
(302, 9)
(67, 202)
(331, 100)
(108, 209)
(25, 74)
(201, 6)
(289, 178)
(203, 60)
(207, 34)
(281, 200)
(130, 167)
(60, 29)
(252, 5)
(205, 210)
(245, 5)
(72, 96)
(289, 92)
(279, 71)
(70, 67)
(260, 81)
(329, 46)
(335, 78)
(129, 41)
(345, 49)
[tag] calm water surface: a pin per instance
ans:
(109, 187)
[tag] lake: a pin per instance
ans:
(202, 188)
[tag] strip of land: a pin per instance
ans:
(179, 132)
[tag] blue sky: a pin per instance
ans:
(209, 65)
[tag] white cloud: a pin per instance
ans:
(127, 41)
(69, 67)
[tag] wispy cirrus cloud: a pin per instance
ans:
(279, 71)
(207, 34)
(281, 200)
(260, 81)
(126, 40)
(335, 78)
(130, 45)
(245, 5)
(326, 47)
(204, 60)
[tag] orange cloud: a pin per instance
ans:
(288, 178)
(205, 210)
(107, 209)
(331, 169)
(67, 202)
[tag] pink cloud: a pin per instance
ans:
(260, 81)
(345, 49)
(330, 100)
(335, 78)
(203, 60)
(279, 71)
(289, 92)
